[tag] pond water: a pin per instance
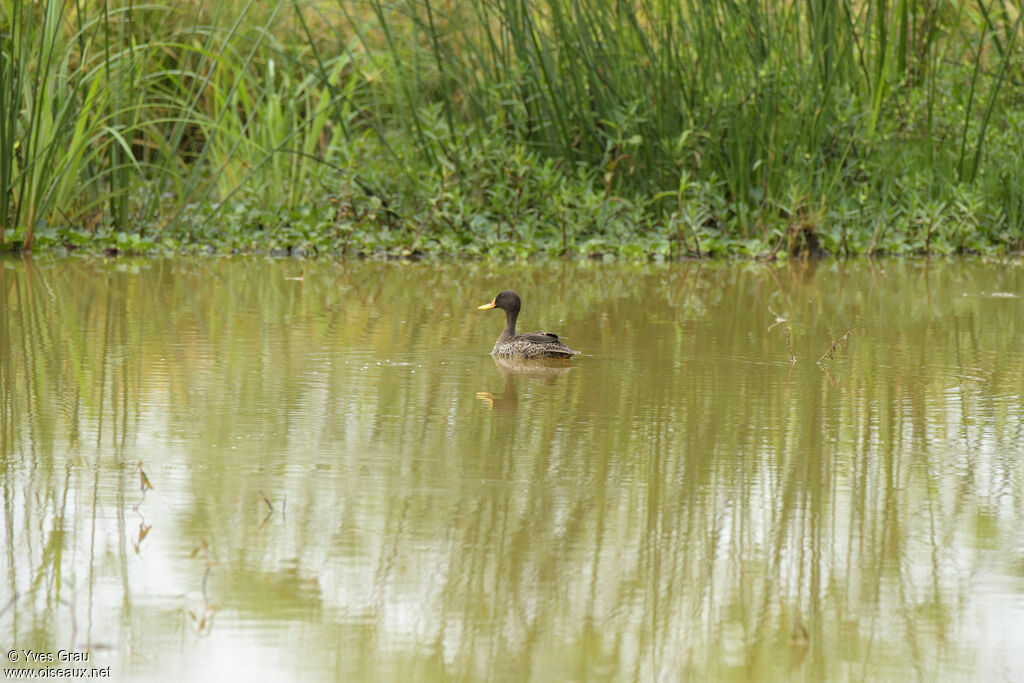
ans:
(274, 469)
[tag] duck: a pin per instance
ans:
(530, 345)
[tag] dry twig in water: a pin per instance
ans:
(144, 481)
(835, 346)
(270, 511)
(203, 621)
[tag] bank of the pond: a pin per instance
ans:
(613, 229)
(634, 130)
(503, 199)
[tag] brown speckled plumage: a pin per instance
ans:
(529, 345)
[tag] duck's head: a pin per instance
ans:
(508, 300)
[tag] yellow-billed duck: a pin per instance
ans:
(531, 345)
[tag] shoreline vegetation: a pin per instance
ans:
(636, 129)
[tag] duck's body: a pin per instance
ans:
(532, 345)
(528, 345)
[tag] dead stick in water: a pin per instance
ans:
(835, 346)
(789, 345)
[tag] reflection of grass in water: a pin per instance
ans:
(631, 482)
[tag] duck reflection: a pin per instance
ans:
(514, 369)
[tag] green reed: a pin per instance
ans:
(759, 97)
(124, 116)
(53, 108)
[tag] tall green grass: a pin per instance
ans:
(698, 125)
(126, 115)
(766, 101)
(54, 109)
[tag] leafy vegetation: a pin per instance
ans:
(640, 129)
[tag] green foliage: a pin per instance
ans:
(645, 129)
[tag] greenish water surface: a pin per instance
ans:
(346, 486)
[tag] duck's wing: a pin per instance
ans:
(542, 337)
